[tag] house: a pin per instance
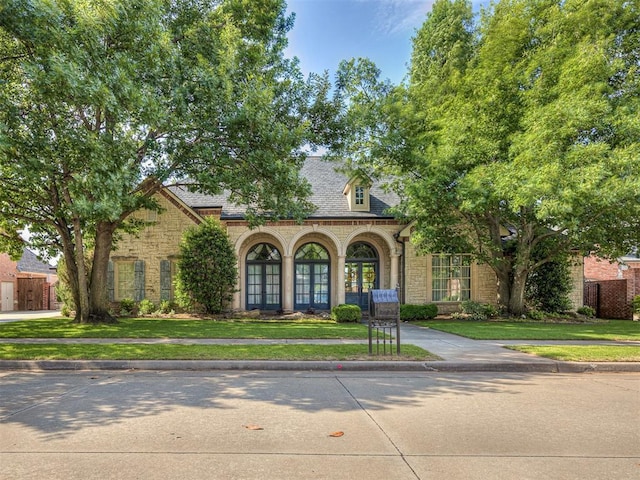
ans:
(610, 286)
(28, 284)
(349, 245)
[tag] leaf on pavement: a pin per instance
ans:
(336, 434)
(253, 427)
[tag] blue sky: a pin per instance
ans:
(327, 31)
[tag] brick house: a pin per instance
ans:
(610, 286)
(28, 284)
(348, 246)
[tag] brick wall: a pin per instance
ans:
(598, 269)
(613, 299)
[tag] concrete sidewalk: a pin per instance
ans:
(459, 354)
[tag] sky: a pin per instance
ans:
(328, 31)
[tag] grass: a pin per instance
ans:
(113, 351)
(181, 328)
(583, 353)
(493, 330)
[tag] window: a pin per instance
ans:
(125, 284)
(263, 277)
(451, 278)
(312, 277)
(357, 193)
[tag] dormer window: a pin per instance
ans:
(357, 193)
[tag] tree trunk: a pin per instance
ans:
(82, 303)
(516, 300)
(99, 301)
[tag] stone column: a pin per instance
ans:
(340, 293)
(395, 263)
(287, 283)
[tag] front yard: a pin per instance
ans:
(614, 330)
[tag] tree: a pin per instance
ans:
(207, 272)
(102, 102)
(513, 130)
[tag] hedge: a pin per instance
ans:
(346, 313)
(410, 312)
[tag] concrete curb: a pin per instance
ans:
(347, 366)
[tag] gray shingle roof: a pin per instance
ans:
(327, 186)
(29, 263)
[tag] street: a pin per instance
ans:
(298, 425)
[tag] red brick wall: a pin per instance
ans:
(598, 269)
(614, 299)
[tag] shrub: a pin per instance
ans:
(127, 306)
(635, 304)
(478, 311)
(535, 315)
(207, 270)
(346, 313)
(146, 307)
(410, 312)
(166, 307)
(548, 286)
(587, 311)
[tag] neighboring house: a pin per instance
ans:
(28, 284)
(349, 245)
(610, 286)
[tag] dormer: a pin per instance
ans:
(357, 193)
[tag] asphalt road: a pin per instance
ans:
(279, 425)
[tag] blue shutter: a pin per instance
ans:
(111, 284)
(165, 280)
(138, 281)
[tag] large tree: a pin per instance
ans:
(518, 128)
(104, 101)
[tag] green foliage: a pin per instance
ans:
(587, 311)
(635, 304)
(207, 271)
(346, 313)
(518, 119)
(146, 307)
(410, 312)
(101, 103)
(167, 307)
(536, 315)
(549, 285)
(127, 306)
(478, 311)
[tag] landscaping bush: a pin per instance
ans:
(635, 306)
(127, 306)
(207, 268)
(167, 307)
(535, 315)
(587, 311)
(346, 313)
(478, 311)
(410, 312)
(146, 307)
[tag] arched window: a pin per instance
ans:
(264, 279)
(312, 267)
(360, 273)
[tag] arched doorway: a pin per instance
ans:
(312, 287)
(360, 273)
(264, 285)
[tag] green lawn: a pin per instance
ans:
(494, 330)
(112, 351)
(583, 353)
(180, 328)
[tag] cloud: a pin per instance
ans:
(399, 16)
